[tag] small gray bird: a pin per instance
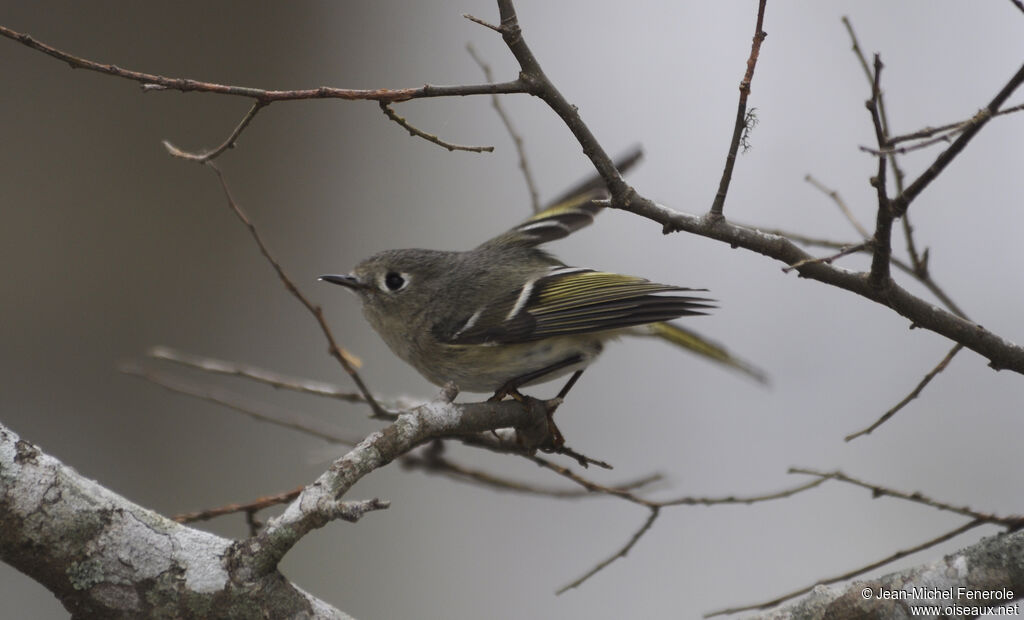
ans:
(507, 314)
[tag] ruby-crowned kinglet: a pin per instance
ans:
(508, 314)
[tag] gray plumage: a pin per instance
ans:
(507, 309)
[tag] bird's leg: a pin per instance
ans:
(511, 388)
(555, 433)
(568, 384)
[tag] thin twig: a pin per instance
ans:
(477, 20)
(656, 506)
(1013, 522)
(247, 371)
(903, 150)
(347, 361)
(902, 553)
(928, 132)
(624, 163)
(227, 144)
(680, 501)
(432, 460)
(583, 460)
(732, 499)
(844, 251)
(151, 81)
(250, 507)
(413, 131)
(901, 203)
(621, 553)
(259, 411)
(744, 119)
(897, 171)
(517, 139)
(834, 195)
(919, 271)
(538, 84)
(1018, 4)
(804, 239)
(882, 240)
(909, 397)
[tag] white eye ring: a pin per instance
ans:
(393, 281)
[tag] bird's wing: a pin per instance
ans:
(554, 222)
(569, 300)
(567, 213)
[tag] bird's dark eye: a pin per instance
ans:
(394, 281)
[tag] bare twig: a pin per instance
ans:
(431, 459)
(680, 501)
(918, 269)
(909, 397)
(903, 150)
(413, 131)
(1018, 4)
(259, 411)
(247, 371)
(152, 81)
(1000, 352)
(897, 171)
(538, 84)
(347, 361)
(250, 507)
(802, 238)
(743, 118)
(732, 499)
(477, 20)
(1011, 523)
(621, 553)
(227, 144)
(517, 139)
(843, 251)
(882, 239)
(902, 553)
(623, 163)
(834, 195)
(319, 502)
(656, 506)
(583, 460)
(950, 128)
(901, 203)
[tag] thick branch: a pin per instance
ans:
(539, 85)
(318, 503)
(104, 557)
(1001, 353)
(993, 565)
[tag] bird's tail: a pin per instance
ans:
(703, 347)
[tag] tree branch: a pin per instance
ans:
(816, 606)
(506, 120)
(319, 502)
(909, 397)
(414, 131)
(902, 202)
(743, 119)
(104, 557)
(152, 81)
(1001, 353)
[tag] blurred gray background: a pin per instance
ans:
(109, 246)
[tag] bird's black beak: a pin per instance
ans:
(347, 281)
